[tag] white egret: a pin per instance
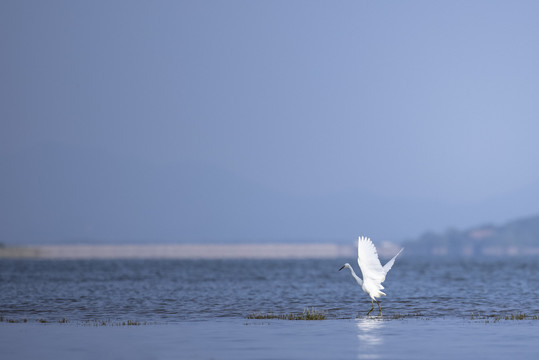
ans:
(373, 272)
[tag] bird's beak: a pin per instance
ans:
(341, 268)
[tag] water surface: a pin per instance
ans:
(170, 291)
(197, 310)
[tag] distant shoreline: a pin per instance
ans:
(240, 251)
(178, 251)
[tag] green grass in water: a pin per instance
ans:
(87, 322)
(399, 316)
(497, 317)
(308, 314)
(114, 323)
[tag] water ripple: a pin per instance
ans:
(179, 290)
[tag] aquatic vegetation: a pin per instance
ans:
(115, 323)
(399, 316)
(396, 316)
(64, 320)
(497, 317)
(308, 314)
(11, 321)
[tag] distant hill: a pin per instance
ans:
(518, 237)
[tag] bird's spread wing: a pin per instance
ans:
(390, 263)
(367, 259)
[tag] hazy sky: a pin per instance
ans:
(407, 101)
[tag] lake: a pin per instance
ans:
(198, 309)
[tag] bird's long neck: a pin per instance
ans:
(358, 279)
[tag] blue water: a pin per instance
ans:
(365, 338)
(172, 291)
(197, 310)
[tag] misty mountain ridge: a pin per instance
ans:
(66, 194)
(518, 237)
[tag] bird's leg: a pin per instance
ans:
(379, 307)
(372, 308)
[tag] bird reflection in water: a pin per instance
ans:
(370, 337)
